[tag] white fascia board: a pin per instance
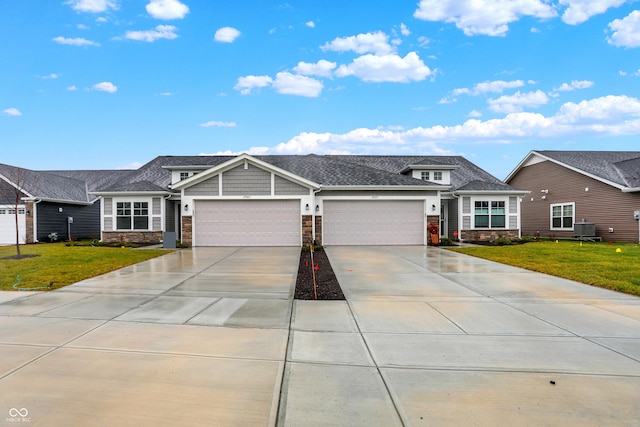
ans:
(67, 202)
(491, 192)
(385, 187)
(130, 193)
(517, 168)
(236, 161)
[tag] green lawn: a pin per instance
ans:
(63, 264)
(597, 264)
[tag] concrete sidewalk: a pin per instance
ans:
(212, 336)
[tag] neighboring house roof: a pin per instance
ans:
(46, 186)
(620, 169)
(94, 179)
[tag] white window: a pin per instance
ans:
(437, 176)
(562, 216)
(424, 175)
(184, 175)
(132, 219)
(489, 214)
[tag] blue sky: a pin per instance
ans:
(107, 84)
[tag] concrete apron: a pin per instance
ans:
(427, 337)
(196, 337)
(430, 337)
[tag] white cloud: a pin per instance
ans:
(605, 116)
(167, 9)
(579, 11)
(74, 41)
(226, 35)
(488, 17)
(496, 86)
(11, 112)
(291, 84)
(377, 43)
(213, 123)
(474, 114)
(518, 101)
(607, 109)
(72, 88)
(247, 83)
(105, 87)
(165, 94)
(322, 68)
(310, 24)
(575, 84)
(160, 32)
(93, 6)
(82, 27)
(404, 30)
(49, 76)
(386, 68)
(626, 31)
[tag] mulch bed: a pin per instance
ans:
(327, 286)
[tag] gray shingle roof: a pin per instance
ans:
(46, 185)
(619, 167)
(467, 175)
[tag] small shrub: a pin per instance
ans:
(503, 241)
(445, 241)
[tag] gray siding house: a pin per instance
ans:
(574, 191)
(295, 200)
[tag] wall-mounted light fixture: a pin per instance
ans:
(317, 208)
(186, 207)
(28, 212)
(545, 191)
(433, 207)
(306, 207)
(60, 210)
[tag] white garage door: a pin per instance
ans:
(8, 225)
(373, 222)
(247, 223)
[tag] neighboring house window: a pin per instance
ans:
(425, 176)
(437, 176)
(562, 216)
(489, 214)
(136, 218)
(184, 175)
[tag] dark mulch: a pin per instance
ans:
(327, 284)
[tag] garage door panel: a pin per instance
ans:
(247, 223)
(8, 226)
(368, 222)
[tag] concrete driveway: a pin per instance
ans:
(211, 336)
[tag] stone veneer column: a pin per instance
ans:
(187, 230)
(30, 238)
(307, 230)
(319, 229)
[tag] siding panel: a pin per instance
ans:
(204, 188)
(86, 221)
(284, 187)
(252, 181)
(602, 204)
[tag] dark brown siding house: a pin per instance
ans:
(591, 195)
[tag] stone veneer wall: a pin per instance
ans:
(187, 230)
(29, 221)
(150, 237)
(484, 235)
(435, 219)
(319, 230)
(307, 230)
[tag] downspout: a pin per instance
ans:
(313, 215)
(459, 219)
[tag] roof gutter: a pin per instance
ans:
(385, 187)
(631, 190)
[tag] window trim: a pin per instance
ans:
(425, 175)
(133, 210)
(438, 176)
(489, 215)
(562, 206)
